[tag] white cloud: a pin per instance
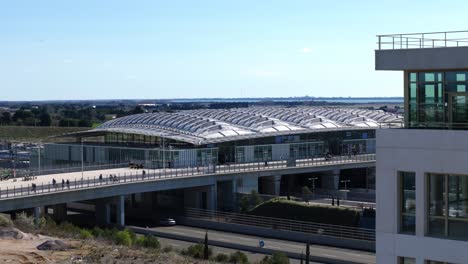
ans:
(306, 50)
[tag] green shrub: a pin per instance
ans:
(123, 238)
(279, 258)
(221, 257)
(24, 222)
(85, 234)
(168, 249)
(282, 208)
(148, 241)
(196, 251)
(5, 221)
(238, 257)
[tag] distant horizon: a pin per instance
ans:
(302, 98)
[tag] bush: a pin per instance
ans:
(5, 221)
(247, 202)
(238, 257)
(148, 241)
(279, 258)
(196, 251)
(276, 258)
(167, 249)
(123, 238)
(282, 208)
(221, 257)
(24, 222)
(85, 234)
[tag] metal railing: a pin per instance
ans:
(338, 231)
(423, 40)
(100, 180)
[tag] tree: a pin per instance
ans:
(6, 118)
(45, 119)
(247, 202)
(138, 110)
(206, 250)
(306, 193)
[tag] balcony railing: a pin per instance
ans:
(423, 40)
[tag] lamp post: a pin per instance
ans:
(82, 158)
(345, 184)
(313, 183)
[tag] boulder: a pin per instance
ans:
(54, 245)
(12, 233)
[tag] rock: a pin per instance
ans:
(12, 233)
(54, 245)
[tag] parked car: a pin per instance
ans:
(167, 222)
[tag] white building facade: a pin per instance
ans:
(422, 170)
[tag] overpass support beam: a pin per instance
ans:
(270, 185)
(331, 180)
(37, 214)
(120, 210)
(60, 212)
(212, 197)
(102, 212)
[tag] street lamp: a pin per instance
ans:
(313, 183)
(345, 184)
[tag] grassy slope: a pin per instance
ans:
(281, 208)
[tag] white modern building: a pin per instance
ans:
(422, 170)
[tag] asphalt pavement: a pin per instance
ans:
(320, 251)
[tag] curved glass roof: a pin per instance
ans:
(217, 125)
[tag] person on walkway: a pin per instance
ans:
(68, 184)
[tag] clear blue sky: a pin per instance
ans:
(89, 49)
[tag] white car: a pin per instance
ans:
(167, 222)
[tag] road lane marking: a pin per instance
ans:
(328, 255)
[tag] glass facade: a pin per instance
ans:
(407, 202)
(438, 99)
(448, 206)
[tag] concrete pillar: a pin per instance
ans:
(271, 184)
(59, 212)
(120, 206)
(102, 212)
(331, 180)
(212, 197)
(234, 194)
(37, 215)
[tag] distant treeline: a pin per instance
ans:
(82, 114)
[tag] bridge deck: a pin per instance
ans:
(90, 179)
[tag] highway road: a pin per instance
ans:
(327, 252)
(178, 245)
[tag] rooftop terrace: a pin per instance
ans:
(423, 40)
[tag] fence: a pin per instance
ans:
(69, 182)
(423, 40)
(283, 224)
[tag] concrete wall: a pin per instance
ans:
(419, 151)
(422, 59)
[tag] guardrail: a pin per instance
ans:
(141, 175)
(423, 40)
(283, 224)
